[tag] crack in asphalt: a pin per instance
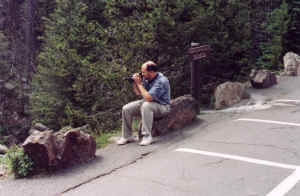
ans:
(142, 156)
(295, 111)
(221, 161)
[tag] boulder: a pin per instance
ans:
(262, 78)
(3, 149)
(183, 111)
(74, 146)
(38, 127)
(228, 94)
(40, 147)
(60, 149)
(291, 63)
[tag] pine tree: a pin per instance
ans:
(276, 29)
(156, 30)
(4, 57)
(231, 38)
(293, 37)
(89, 46)
(71, 77)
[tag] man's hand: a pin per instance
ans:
(139, 88)
(137, 78)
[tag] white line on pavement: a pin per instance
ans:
(280, 190)
(283, 104)
(287, 100)
(239, 158)
(286, 185)
(268, 121)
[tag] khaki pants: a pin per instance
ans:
(147, 110)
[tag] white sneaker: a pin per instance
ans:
(124, 140)
(147, 140)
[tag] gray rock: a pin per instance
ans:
(9, 86)
(3, 149)
(291, 63)
(40, 127)
(183, 111)
(60, 149)
(262, 78)
(228, 94)
(41, 149)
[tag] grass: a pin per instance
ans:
(103, 139)
(3, 164)
(2, 160)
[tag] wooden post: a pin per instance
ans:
(194, 86)
(196, 52)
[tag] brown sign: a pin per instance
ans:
(199, 52)
(199, 56)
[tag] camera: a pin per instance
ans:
(129, 79)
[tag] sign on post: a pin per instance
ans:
(197, 52)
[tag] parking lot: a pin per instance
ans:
(248, 154)
(270, 130)
(246, 151)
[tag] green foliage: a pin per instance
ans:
(14, 93)
(73, 80)
(293, 36)
(230, 34)
(4, 57)
(2, 130)
(272, 49)
(156, 30)
(82, 64)
(103, 139)
(18, 162)
(4, 138)
(89, 46)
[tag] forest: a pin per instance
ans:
(63, 62)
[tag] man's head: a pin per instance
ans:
(149, 70)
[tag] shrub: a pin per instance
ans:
(18, 162)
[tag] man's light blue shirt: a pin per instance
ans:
(159, 89)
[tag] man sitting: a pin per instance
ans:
(154, 87)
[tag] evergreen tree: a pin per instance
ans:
(89, 46)
(276, 29)
(4, 57)
(293, 37)
(231, 38)
(72, 81)
(158, 30)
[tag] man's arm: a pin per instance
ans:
(140, 89)
(135, 89)
(144, 92)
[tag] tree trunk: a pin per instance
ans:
(17, 23)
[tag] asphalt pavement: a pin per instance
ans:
(251, 149)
